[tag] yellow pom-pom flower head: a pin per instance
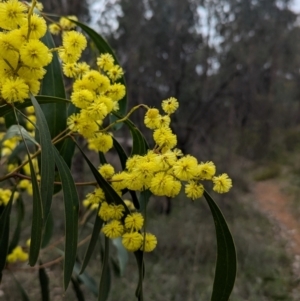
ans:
(74, 41)
(113, 229)
(222, 183)
(35, 54)
(170, 105)
(14, 90)
(206, 171)
(134, 221)
(132, 241)
(37, 27)
(12, 14)
(185, 168)
(149, 243)
(105, 61)
(194, 190)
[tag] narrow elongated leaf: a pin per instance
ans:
(104, 286)
(37, 213)
(21, 290)
(139, 256)
(225, 272)
(121, 153)
(122, 254)
(123, 158)
(71, 202)
(139, 142)
(16, 236)
(104, 47)
(87, 280)
(47, 158)
(4, 233)
(9, 118)
(53, 85)
(14, 131)
(144, 199)
(111, 195)
(44, 283)
(95, 235)
(78, 292)
(48, 230)
(37, 217)
(41, 99)
(68, 146)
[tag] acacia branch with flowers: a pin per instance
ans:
(44, 124)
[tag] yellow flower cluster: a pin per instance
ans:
(22, 55)
(17, 254)
(163, 169)
(96, 93)
(129, 228)
(5, 195)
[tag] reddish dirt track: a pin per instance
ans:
(276, 205)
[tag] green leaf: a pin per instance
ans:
(123, 158)
(41, 99)
(87, 280)
(47, 158)
(71, 202)
(144, 199)
(9, 118)
(121, 153)
(104, 47)
(139, 256)
(94, 238)
(37, 217)
(77, 289)
(21, 289)
(4, 233)
(122, 254)
(44, 283)
(140, 145)
(225, 272)
(104, 286)
(20, 216)
(111, 195)
(53, 85)
(15, 131)
(48, 230)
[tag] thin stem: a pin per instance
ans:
(33, 4)
(18, 175)
(125, 117)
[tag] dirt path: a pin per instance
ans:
(275, 204)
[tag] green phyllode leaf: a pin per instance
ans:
(122, 254)
(139, 142)
(41, 99)
(20, 216)
(21, 290)
(44, 283)
(110, 194)
(94, 238)
(86, 279)
(4, 233)
(71, 202)
(53, 85)
(47, 159)
(226, 264)
(104, 285)
(17, 131)
(37, 217)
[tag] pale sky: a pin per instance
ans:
(296, 6)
